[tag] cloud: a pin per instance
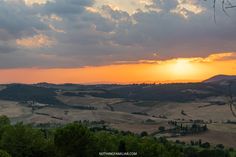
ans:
(216, 57)
(35, 2)
(50, 18)
(185, 7)
(36, 41)
(99, 32)
(211, 58)
(66, 7)
(56, 17)
(56, 29)
(129, 6)
(5, 48)
(18, 20)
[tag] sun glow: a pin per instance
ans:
(182, 67)
(149, 71)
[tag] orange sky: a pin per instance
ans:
(132, 41)
(173, 70)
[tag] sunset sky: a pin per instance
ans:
(115, 41)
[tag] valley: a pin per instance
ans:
(135, 108)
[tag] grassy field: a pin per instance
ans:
(13, 109)
(117, 113)
(194, 110)
(96, 102)
(214, 137)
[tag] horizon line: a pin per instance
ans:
(108, 83)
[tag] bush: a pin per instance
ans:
(4, 123)
(190, 152)
(144, 133)
(161, 128)
(4, 120)
(74, 140)
(205, 145)
(23, 141)
(177, 141)
(220, 146)
(4, 154)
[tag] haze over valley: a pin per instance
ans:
(135, 108)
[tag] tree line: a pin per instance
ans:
(77, 140)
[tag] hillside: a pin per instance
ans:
(135, 108)
(181, 92)
(23, 93)
(220, 78)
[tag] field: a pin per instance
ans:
(136, 108)
(122, 116)
(213, 137)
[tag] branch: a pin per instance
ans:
(225, 4)
(214, 6)
(229, 7)
(231, 100)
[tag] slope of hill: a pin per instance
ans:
(180, 92)
(220, 78)
(21, 92)
(135, 107)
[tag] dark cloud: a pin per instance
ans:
(6, 48)
(18, 19)
(106, 35)
(166, 5)
(65, 7)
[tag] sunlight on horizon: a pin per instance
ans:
(147, 71)
(182, 67)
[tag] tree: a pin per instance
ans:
(190, 152)
(231, 99)
(213, 153)
(225, 5)
(205, 145)
(24, 141)
(74, 140)
(220, 146)
(106, 142)
(192, 142)
(144, 133)
(4, 120)
(122, 147)
(161, 128)
(199, 141)
(4, 154)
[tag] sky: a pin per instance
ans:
(115, 41)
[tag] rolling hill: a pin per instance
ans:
(176, 92)
(220, 78)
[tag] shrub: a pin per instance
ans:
(4, 154)
(161, 128)
(144, 133)
(205, 145)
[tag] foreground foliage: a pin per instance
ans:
(76, 140)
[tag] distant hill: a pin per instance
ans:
(220, 78)
(176, 92)
(21, 92)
